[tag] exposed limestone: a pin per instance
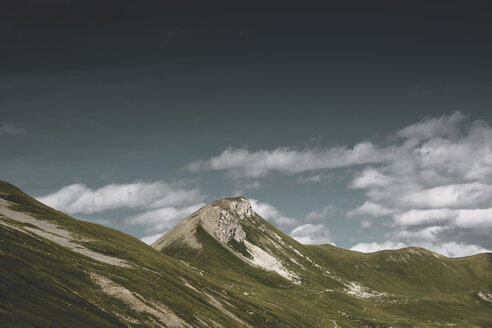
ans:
(357, 290)
(223, 220)
(485, 296)
(228, 228)
(166, 317)
(222, 309)
(267, 262)
(240, 206)
(220, 219)
(53, 233)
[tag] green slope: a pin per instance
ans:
(45, 284)
(60, 272)
(403, 288)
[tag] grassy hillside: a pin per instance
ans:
(45, 284)
(403, 288)
(60, 272)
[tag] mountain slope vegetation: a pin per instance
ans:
(224, 266)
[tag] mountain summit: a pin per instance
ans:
(237, 228)
(221, 219)
(223, 266)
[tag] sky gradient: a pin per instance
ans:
(361, 124)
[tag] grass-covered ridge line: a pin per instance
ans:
(45, 284)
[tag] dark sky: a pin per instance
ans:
(101, 92)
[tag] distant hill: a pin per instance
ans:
(223, 266)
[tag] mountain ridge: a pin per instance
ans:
(58, 271)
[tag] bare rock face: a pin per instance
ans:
(228, 228)
(221, 219)
(232, 210)
(241, 207)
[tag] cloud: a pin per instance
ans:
(369, 209)
(432, 178)
(273, 215)
(163, 219)
(443, 126)
(315, 178)
(370, 178)
(149, 240)
(240, 163)
(450, 249)
(312, 234)
(321, 214)
(438, 188)
(366, 225)
(78, 198)
(8, 129)
(374, 247)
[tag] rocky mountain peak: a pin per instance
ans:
(239, 206)
(225, 226)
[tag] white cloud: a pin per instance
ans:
(273, 215)
(77, 198)
(433, 127)
(321, 214)
(243, 163)
(315, 178)
(454, 249)
(8, 129)
(374, 247)
(163, 219)
(479, 218)
(438, 185)
(365, 224)
(149, 240)
(312, 234)
(450, 249)
(455, 195)
(370, 178)
(369, 209)
(424, 217)
(434, 178)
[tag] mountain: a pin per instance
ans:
(223, 266)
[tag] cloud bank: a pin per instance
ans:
(160, 205)
(78, 198)
(432, 180)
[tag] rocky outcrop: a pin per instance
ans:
(229, 211)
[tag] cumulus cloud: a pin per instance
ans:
(159, 205)
(321, 214)
(316, 178)
(438, 188)
(149, 240)
(450, 249)
(8, 129)
(432, 178)
(78, 198)
(444, 126)
(312, 234)
(374, 247)
(369, 209)
(273, 215)
(163, 219)
(241, 163)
